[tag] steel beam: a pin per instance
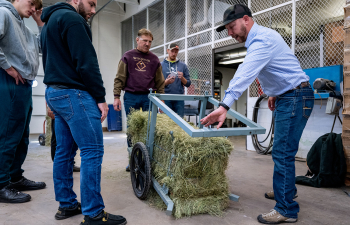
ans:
(152, 129)
(252, 127)
(164, 196)
(130, 2)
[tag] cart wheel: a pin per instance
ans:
(140, 170)
(42, 139)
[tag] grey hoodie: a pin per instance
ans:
(19, 46)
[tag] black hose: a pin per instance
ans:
(259, 148)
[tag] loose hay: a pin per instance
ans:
(195, 175)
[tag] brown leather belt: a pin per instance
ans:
(303, 84)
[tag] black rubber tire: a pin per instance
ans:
(140, 170)
(41, 139)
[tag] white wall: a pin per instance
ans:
(106, 39)
(38, 95)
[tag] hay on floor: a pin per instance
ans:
(192, 168)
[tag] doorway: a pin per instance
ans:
(225, 64)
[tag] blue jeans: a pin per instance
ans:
(291, 114)
(77, 118)
(15, 112)
(135, 101)
(177, 106)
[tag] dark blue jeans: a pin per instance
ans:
(177, 106)
(135, 101)
(77, 118)
(15, 112)
(293, 109)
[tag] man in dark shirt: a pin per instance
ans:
(19, 63)
(138, 71)
(76, 95)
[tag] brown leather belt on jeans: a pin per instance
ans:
(303, 84)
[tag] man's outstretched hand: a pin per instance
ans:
(219, 115)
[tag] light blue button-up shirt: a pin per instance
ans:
(270, 60)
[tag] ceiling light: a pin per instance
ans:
(232, 61)
(238, 54)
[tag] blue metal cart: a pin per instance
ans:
(141, 153)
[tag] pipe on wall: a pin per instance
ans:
(205, 20)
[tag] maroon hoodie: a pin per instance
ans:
(138, 72)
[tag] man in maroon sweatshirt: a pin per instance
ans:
(138, 71)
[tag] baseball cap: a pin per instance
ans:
(232, 13)
(173, 45)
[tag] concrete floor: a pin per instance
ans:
(250, 177)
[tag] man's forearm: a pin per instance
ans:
(120, 79)
(183, 81)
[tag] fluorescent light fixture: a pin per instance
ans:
(232, 61)
(238, 54)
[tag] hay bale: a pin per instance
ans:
(192, 168)
(48, 133)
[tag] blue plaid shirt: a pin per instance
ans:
(270, 60)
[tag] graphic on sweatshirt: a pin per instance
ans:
(141, 64)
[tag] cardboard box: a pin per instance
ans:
(346, 128)
(346, 81)
(347, 16)
(346, 146)
(347, 56)
(338, 34)
(348, 165)
(346, 67)
(346, 107)
(334, 35)
(347, 39)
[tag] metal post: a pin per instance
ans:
(213, 24)
(147, 18)
(250, 4)
(132, 32)
(321, 45)
(186, 30)
(293, 25)
(202, 111)
(152, 128)
(164, 49)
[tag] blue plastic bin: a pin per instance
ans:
(114, 119)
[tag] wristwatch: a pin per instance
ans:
(224, 105)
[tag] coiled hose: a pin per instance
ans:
(259, 148)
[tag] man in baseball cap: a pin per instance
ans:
(173, 46)
(176, 77)
(233, 13)
(270, 59)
